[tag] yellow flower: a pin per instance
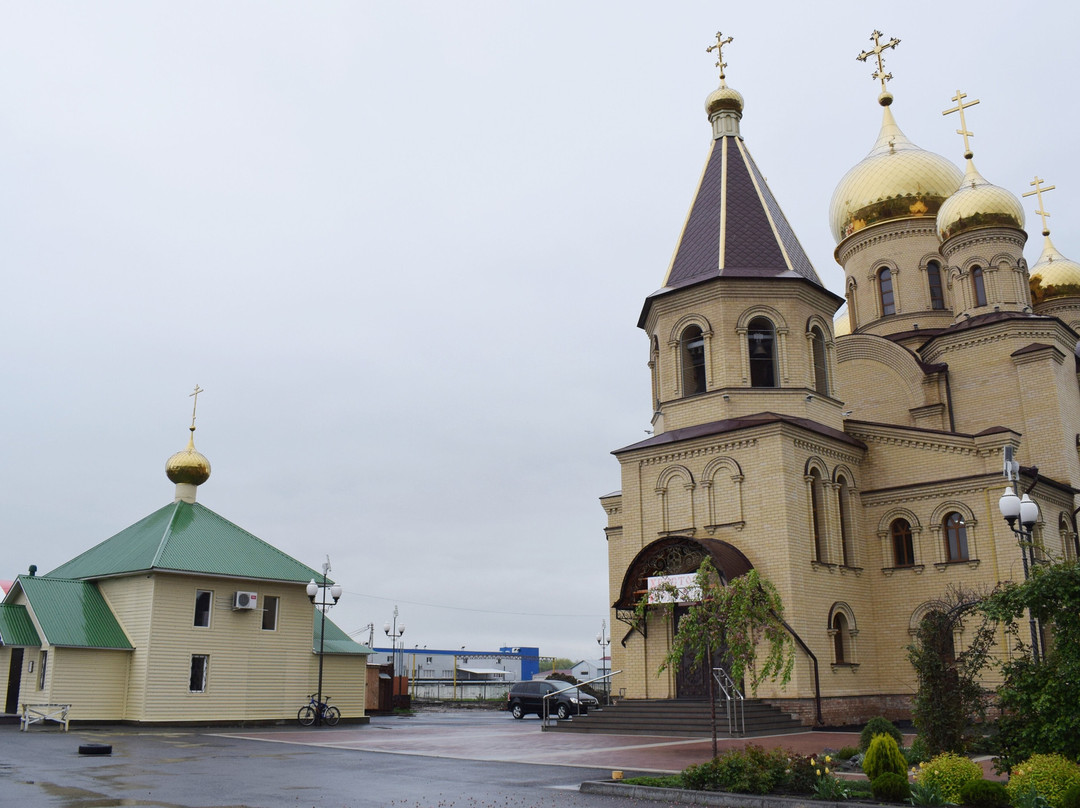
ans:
(828, 759)
(826, 770)
(813, 762)
(818, 772)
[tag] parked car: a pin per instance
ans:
(528, 697)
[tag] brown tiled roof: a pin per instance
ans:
(735, 424)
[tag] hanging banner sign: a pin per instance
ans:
(685, 586)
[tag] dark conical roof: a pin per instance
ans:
(735, 228)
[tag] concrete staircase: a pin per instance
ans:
(678, 717)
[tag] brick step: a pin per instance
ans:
(677, 717)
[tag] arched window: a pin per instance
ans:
(821, 371)
(1065, 531)
(903, 547)
(761, 338)
(818, 514)
(956, 546)
(654, 366)
(888, 302)
(841, 638)
(933, 279)
(978, 286)
(845, 523)
(693, 361)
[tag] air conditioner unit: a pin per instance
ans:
(245, 600)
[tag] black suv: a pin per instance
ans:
(528, 697)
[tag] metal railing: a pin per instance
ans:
(734, 702)
(547, 714)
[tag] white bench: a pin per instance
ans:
(40, 713)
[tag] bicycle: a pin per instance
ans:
(318, 710)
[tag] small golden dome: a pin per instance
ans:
(188, 466)
(842, 324)
(1054, 269)
(724, 98)
(896, 180)
(977, 204)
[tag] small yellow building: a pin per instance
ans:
(183, 617)
(856, 465)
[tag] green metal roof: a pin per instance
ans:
(337, 641)
(186, 537)
(72, 613)
(16, 627)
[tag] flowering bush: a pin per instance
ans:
(1049, 775)
(949, 772)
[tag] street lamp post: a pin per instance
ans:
(394, 632)
(1026, 512)
(604, 641)
(321, 590)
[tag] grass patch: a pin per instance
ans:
(665, 781)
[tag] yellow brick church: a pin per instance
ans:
(854, 461)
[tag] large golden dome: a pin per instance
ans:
(188, 466)
(977, 204)
(896, 180)
(1054, 269)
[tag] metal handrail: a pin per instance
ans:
(734, 701)
(544, 718)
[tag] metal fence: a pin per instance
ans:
(440, 690)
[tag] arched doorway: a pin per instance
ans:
(673, 556)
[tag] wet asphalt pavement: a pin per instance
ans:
(467, 759)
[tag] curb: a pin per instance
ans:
(717, 798)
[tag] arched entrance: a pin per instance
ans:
(678, 555)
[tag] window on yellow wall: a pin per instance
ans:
(200, 663)
(956, 544)
(43, 664)
(270, 613)
(203, 600)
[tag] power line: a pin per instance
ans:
(467, 608)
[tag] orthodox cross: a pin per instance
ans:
(960, 107)
(878, 49)
(194, 403)
(719, 48)
(1037, 193)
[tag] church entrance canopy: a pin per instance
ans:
(675, 555)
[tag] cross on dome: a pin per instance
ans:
(1037, 193)
(877, 51)
(194, 404)
(719, 48)
(963, 130)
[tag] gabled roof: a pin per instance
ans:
(186, 537)
(337, 641)
(72, 613)
(16, 627)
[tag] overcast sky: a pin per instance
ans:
(403, 247)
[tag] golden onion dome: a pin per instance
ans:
(842, 324)
(724, 98)
(977, 204)
(188, 466)
(896, 180)
(1054, 269)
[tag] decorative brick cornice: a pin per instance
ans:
(886, 232)
(828, 451)
(974, 238)
(703, 451)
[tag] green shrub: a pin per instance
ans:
(847, 752)
(917, 752)
(984, 794)
(878, 726)
(752, 770)
(1050, 776)
(890, 787)
(1071, 798)
(949, 772)
(927, 794)
(882, 756)
(666, 781)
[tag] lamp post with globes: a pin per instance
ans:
(321, 590)
(394, 632)
(1026, 512)
(604, 641)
